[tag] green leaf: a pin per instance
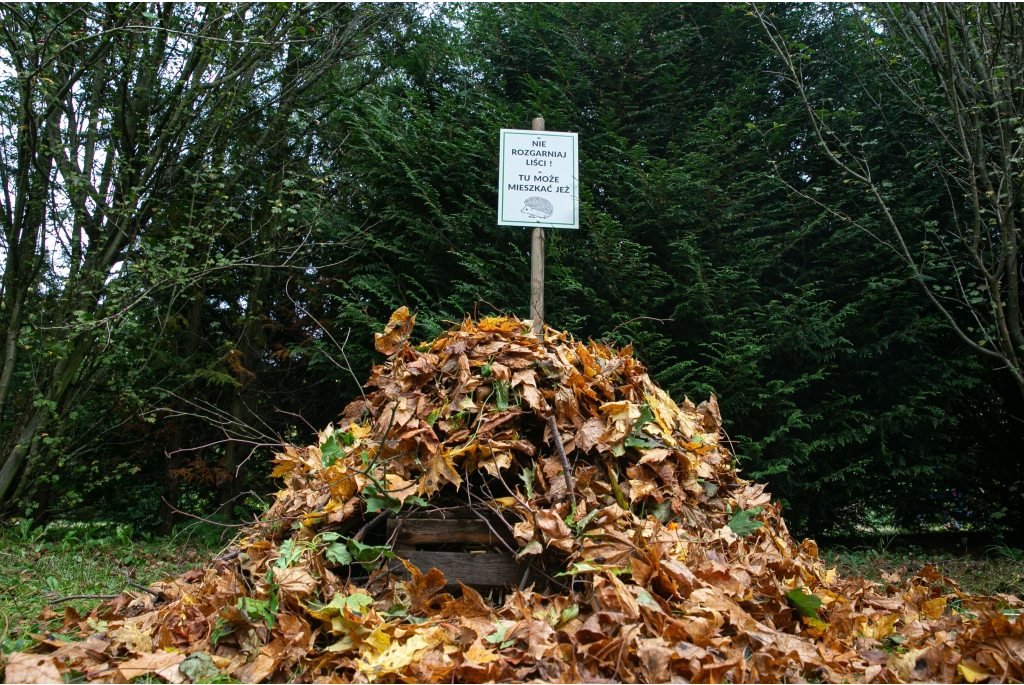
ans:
(347, 439)
(527, 475)
(589, 567)
(501, 395)
(742, 522)
(581, 526)
(646, 416)
(644, 599)
(290, 553)
(356, 603)
(806, 604)
(662, 511)
(330, 451)
(222, 628)
(498, 635)
(569, 613)
(338, 553)
(632, 441)
(374, 504)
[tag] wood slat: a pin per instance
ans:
(440, 531)
(474, 570)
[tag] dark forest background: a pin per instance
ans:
(208, 210)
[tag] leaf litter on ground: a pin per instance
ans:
(652, 560)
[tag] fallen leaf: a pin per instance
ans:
(31, 668)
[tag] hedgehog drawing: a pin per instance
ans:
(537, 208)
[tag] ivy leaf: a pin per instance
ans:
(290, 553)
(742, 522)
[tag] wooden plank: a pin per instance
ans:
(537, 267)
(474, 570)
(440, 531)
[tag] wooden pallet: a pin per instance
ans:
(477, 568)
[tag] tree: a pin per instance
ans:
(959, 71)
(114, 111)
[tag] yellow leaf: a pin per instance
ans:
(479, 654)
(378, 640)
(360, 431)
(495, 461)
(134, 639)
(622, 414)
(881, 628)
(395, 657)
(971, 671)
(933, 607)
(399, 488)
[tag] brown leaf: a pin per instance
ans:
(395, 333)
(257, 670)
(31, 668)
(295, 581)
(655, 659)
(589, 434)
(423, 588)
(160, 663)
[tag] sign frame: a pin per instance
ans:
(513, 209)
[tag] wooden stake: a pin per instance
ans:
(537, 267)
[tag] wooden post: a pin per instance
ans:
(537, 267)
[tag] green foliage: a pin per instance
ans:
(265, 267)
(742, 522)
(805, 603)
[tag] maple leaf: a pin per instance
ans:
(395, 333)
(743, 524)
(439, 470)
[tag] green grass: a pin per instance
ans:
(38, 566)
(979, 572)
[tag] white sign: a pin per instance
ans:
(538, 180)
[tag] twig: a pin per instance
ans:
(371, 524)
(214, 523)
(560, 448)
(526, 577)
(469, 499)
(497, 309)
(144, 589)
(638, 318)
(67, 599)
(298, 416)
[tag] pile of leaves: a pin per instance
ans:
(647, 558)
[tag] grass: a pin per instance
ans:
(980, 572)
(39, 566)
